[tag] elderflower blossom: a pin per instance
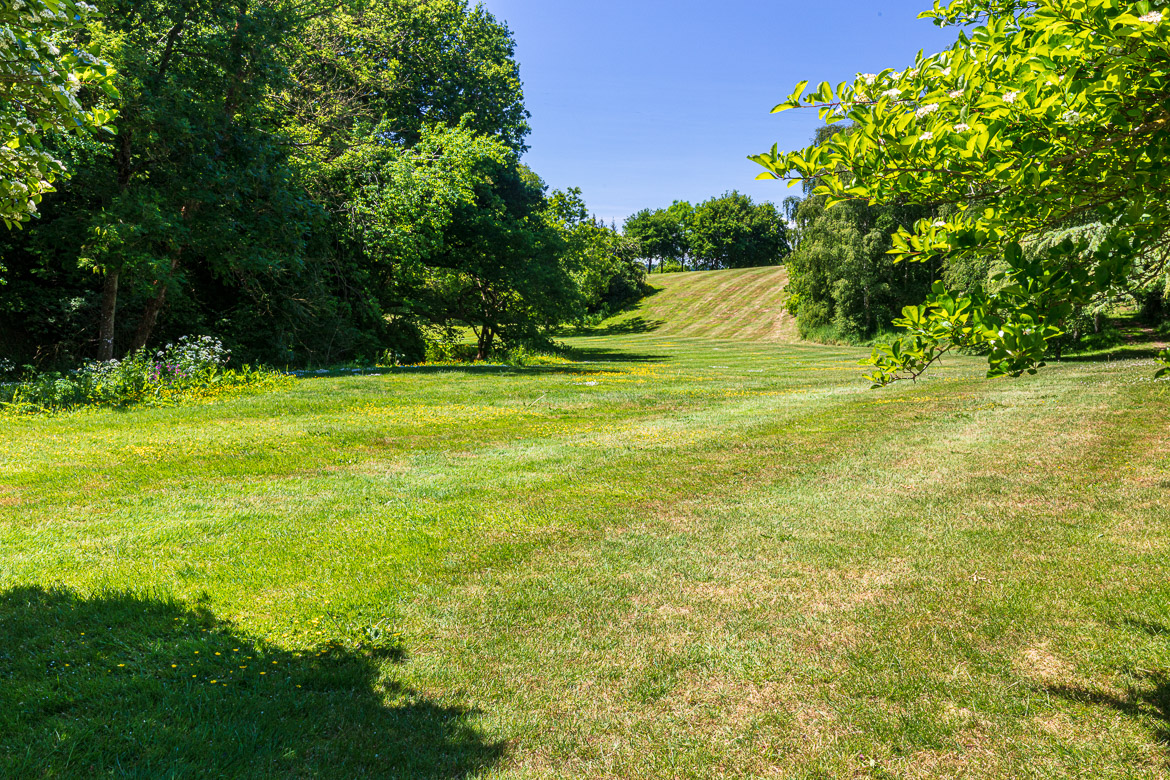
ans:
(926, 110)
(926, 136)
(892, 93)
(940, 223)
(947, 70)
(1071, 118)
(955, 94)
(1010, 97)
(1153, 17)
(869, 77)
(962, 127)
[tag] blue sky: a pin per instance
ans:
(643, 102)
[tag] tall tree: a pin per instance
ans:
(195, 183)
(603, 262)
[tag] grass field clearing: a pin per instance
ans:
(669, 557)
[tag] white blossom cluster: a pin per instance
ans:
(191, 355)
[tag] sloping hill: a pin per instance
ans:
(745, 304)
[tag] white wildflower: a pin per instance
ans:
(926, 136)
(892, 93)
(1071, 118)
(955, 94)
(1010, 97)
(1153, 17)
(940, 223)
(962, 127)
(868, 77)
(926, 110)
(947, 71)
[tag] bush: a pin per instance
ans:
(193, 367)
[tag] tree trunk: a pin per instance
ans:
(485, 343)
(109, 306)
(151, 312)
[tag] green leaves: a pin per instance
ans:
(1041, 113)
(41, 75)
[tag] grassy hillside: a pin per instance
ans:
(664, 558)
(744, 304)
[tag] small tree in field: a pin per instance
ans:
(1044, 114)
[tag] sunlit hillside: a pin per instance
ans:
(745, 304)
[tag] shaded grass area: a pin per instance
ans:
(673, 558)
(125, 685)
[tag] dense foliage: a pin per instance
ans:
(1044, 115)
(843, 283)
(41, 75)
(310, 181)
(729, 231)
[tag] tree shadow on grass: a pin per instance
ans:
(135, 687)
(629, 327)
(1148, 701)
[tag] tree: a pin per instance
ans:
(733, 232)
(843, 283)
(39, 86)
(603, 262)
(1044, 114)
(404, 65)
(661, 234)
(503, 269)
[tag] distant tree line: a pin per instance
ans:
(729, 231)
(310, 181)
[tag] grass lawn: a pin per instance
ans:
(668, 557)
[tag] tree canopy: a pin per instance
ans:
(309, 180)
(1043, 115)
(731, 231)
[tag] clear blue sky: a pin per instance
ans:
(641, 102)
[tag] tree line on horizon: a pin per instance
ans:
(728, 231)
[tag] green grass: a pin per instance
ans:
(744, 304)
(670, 557)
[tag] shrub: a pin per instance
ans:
(195, 367)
